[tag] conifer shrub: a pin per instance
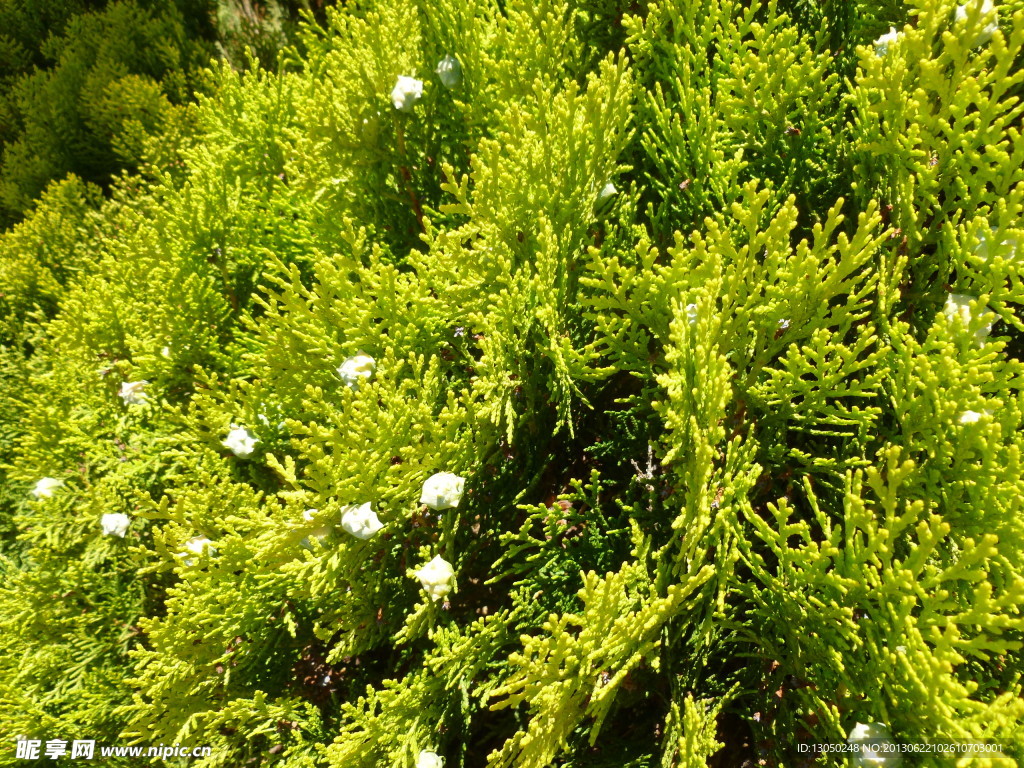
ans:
(87, 86)
(261, 28)
(84, 83)
(560, 383)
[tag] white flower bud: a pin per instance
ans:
(442, 491)
(691, 314)
(197, 545)
(361, 521)
(986, 247)
(115, 524)
(319, 533)
(429, 759)
(405, 94)
(605, 199)
(240, 441)
(449, 71)
(44, 488)
(973, 417)
(882, 44)
(436, 577)
(970, 417)
(166, 352)
(874, 747)
(265, 421)
(1009, 248)
(131, 392)
(958, 307)
(357, 368)
(986, 11)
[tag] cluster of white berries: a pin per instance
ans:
(442, 490)
(242, 442)
(409, 90)
(112, 523)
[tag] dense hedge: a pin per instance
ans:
(713, 306)
(86, 84)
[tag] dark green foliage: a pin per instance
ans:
(83, 89)
(88, 84)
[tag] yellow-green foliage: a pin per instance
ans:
(741, 433)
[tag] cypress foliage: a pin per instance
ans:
(87, 86)
(85, 83)
(713, 305)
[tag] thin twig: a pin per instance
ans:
(407, 176)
